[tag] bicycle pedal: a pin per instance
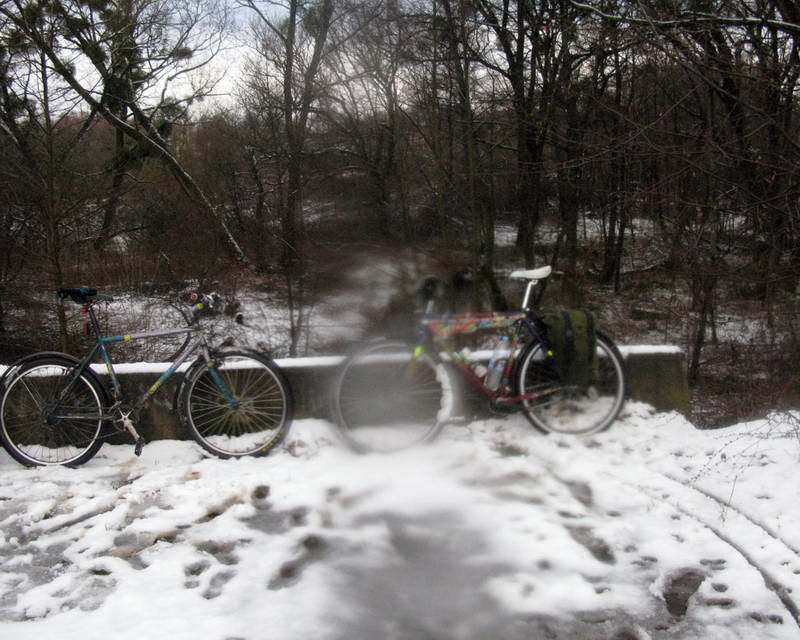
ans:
(139, 446)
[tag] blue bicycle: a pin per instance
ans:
(55, 410)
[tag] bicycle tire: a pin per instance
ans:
(257, 424)
(71, 440)
(572, 410)
(382, 403)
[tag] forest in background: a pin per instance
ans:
(647, 150)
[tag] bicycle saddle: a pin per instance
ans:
(531, 274)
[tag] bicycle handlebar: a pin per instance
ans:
(202, 302)
(88, 296)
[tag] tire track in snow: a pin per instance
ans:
(777, 586)
(734, 539)
(725, 505)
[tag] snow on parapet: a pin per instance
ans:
(159, 367)
(129, 368)
(646, 349)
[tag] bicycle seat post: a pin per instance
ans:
(528, 290)
(532, 276)
(93, 318)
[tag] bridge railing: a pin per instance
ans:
(656, 375)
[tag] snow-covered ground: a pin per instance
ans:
(651, 530)
(590, 227)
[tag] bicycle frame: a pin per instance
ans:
(434, 333)
(100, 347)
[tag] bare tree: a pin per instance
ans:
(51, 178)
(742, 69)
(140, 54)
(364, 109)
(292, 40)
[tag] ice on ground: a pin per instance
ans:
(653, 529)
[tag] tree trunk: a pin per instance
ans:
(293, 250)
(569, 202)
(700, 334)
(117, 180)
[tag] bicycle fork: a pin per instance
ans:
(220, 382)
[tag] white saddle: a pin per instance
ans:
(531, 274)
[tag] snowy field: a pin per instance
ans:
(652, 530)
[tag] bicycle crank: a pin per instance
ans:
(125, 419)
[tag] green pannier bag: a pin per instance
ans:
(571, 337)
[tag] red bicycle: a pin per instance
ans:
(393, 394)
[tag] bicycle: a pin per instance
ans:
(392, 394)
(56, 411)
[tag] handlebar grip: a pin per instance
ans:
(204, 301)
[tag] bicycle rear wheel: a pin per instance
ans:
(554, 407)
(388, 397)
(251, 422)
(42, 423)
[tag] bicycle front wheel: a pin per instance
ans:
(553, 407)
(46, 419)
(240, 407)
(389, 396)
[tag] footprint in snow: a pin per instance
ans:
(598, 547)
(222, 551)
(312, 547)
(714, 564)
(764, 618)
(194, 571)
(679, 587)
(217, 583)
(645, 561)
(722, 603)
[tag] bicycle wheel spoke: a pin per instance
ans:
(270, 421)
(264, 396)
(210, 414)
(211, 424)
(244, 383)
(37, 399)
